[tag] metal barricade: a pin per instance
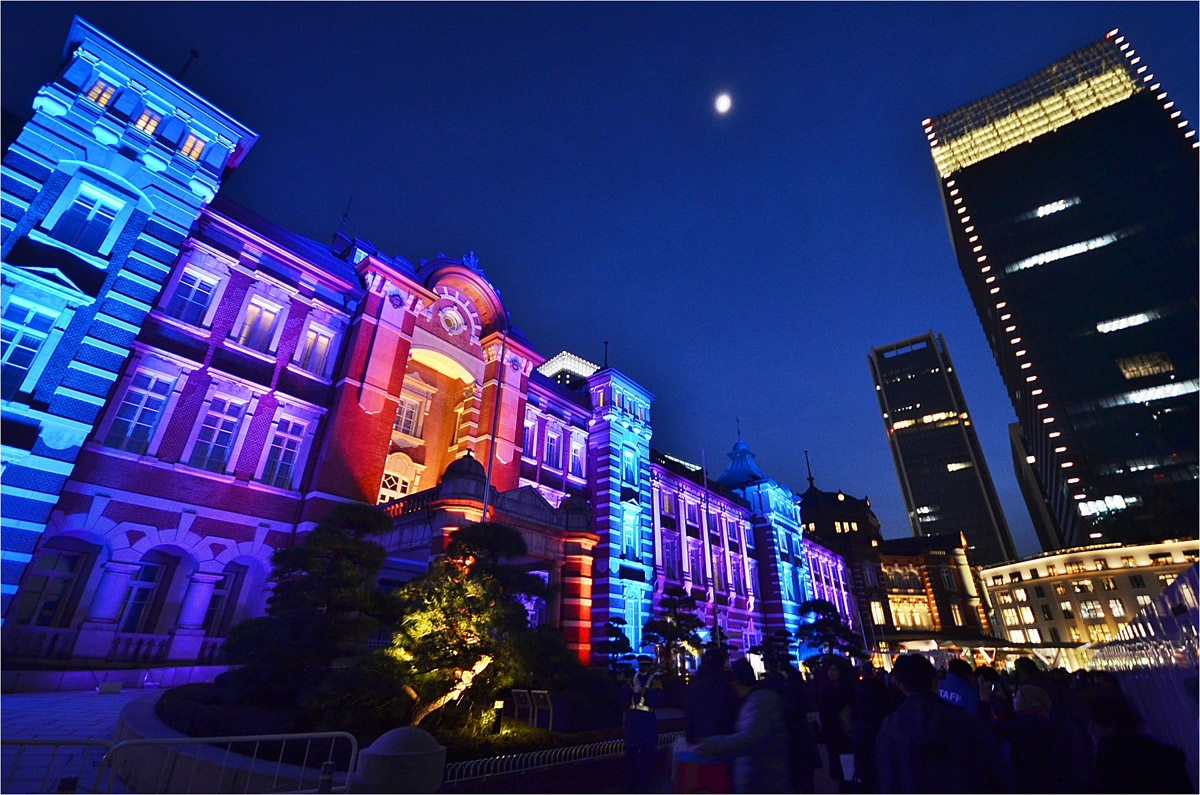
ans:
(520, 763)
(259, 763)
(51, 765)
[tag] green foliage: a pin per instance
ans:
(463, 620)
(324, 607)
(674, 630)
(827, 631)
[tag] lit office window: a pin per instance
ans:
(193, 146)
(258, 326)
(101, 92)
(314, 351)
(148, 122)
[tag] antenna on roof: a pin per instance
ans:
(191, 58)
(345, 216)
(606, 353)
(810, 477)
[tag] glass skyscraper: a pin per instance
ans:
(945, 481)
(1071, 199)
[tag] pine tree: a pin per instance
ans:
(674, 630)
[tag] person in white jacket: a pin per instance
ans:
(758, 748)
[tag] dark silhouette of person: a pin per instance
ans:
(1043, 756)
(758, 746)
(874, 700)
(642, 695)
(711, 706)
(1126, 760)
(835, 704)
(803, 755)
(927, 745)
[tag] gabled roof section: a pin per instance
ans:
(742, 470)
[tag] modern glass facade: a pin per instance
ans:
(1071, 199)
(945, 481)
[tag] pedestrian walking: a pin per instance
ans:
(758, 746)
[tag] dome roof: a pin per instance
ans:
(742, 470)
(465, 467)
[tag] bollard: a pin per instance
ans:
(325, 783)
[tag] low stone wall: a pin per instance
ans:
(129, 679)
(193, 768)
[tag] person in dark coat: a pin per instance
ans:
(1045, 758)
(758, 746)
(712, 705)
(927, 745)
(804, 756)
(1126, 760)
(642, 694)
(874, 700)
(959, 687)
(835, 703)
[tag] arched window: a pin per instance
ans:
(224, 601)
(145, 593)
(400, 477)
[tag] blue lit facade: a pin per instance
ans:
(99, 192)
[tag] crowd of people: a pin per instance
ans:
(918, 729)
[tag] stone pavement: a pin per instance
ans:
(68, 715)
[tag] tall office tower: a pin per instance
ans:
(1071, 199)
(945, 481)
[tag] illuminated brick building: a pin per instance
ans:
(1071, 199)
(200, 386)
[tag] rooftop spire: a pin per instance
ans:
(807, 464)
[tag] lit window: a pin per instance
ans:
(1004, 598)
(314, 351)
(629, 469)
(553, 452)
(1091, 608)
(577, 459)
(24, 329)
(1117, 608)
(1021, 594)
(1165, 580)
(258, 327)
(1099, 633)
(877, 615)
(1156, 363)
(1072, 250)
(1116, 324)
(191, 298)
(1010, 616)
(1143, 599)
(1017, 635)
(1067, 610)
(217, 435)
(408, 417)
(1035, 636)
(193, 146)
(280, 468)
(101, 92)
(148, 121)
(138, 415)
(85, 224)
(955, 467)
(1027, 614)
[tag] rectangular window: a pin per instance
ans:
(666, 503)
(1004, 598)
(553, 457)
(138, 415)
(1039, 591)
(1017, 635)
(101, 92)
(948, 580)
(1027, 614)
(1099, 563)
(314, 350)
(1117, 608)
(258, 327)
(1047, 613)
(1161, 559)
(877, 615)
(217, 435)
(632, 535)
(1166, 579)
(693, 513)
(1010, 616)
(577, 459)
(85, 224)
(1034, 635)
(1090, 608)
(1145, 364)
(1081, 586)
(193, 146)
(696, 562)
(1074, 631)
(629, 469)
(1098, 633)
(529, 441)
(148, 121)
(1108, 583)
(737, 574)
(281, 457)
(1137, 581)
(1021, 594)
(140, 592)
(718, 569)
(1060, 589)
(190, 300)
(1067, 611)
(1143, 599)
(670, 552)
(1127, 561)
(22, 332)
(1054, 635)
(408, 417)
(44, 595)
(956, 614)
(752, 579)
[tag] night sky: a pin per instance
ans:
(741, 266)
